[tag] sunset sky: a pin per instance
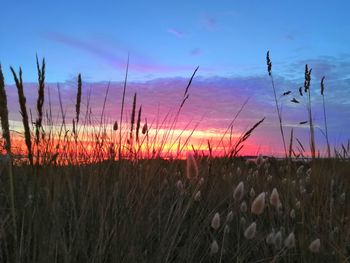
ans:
(167, 40)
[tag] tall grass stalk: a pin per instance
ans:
(122, 109)
(325, 117)
(269, 70)
(307, 84)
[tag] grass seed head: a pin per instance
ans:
(180, 186)
(238, 192)
(243, 207)
(191, 167)
(315, 246)
(292, 214)
(250, 232)
(214, 247)
(197, 196)
(258, 204)
(252, 192)
(277, 241)
(275, 199)
(289, 242)
(229, 217)
(270, 238)
(215, 222)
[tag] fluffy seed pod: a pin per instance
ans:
(243, 207)
(229, 217)
(191, 167)
(239, 171)
(197, 196)
(227, 229)
(238, 192)
(300, 170)
(275, 198)
(277, 241)
(215, 222)
(214, 247)
(180, 186)
(289, 242)
(270, 238)
(250, 232)
(258, 204)
(315, 246)
(252, 192)
(292, 214)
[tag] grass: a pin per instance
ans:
(97, 195)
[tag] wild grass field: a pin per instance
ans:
(116, 198)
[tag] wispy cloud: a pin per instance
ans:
(209, 23)
(176, 32)
(195, 52)
(116, 57)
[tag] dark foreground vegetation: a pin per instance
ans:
(153, 211)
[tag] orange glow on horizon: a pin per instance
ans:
(94, 144)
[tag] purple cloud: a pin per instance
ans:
(175, 32)
(210, 23)
(196, 52)
(116, 57)
(216, 98)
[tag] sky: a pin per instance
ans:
(167, 40)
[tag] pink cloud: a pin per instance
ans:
(213, 102)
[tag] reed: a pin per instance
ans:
(78, 102)
(40, 100)
(325, 117)
(24, 113)
(279, 114)
(307, 85)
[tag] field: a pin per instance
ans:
(126, 203)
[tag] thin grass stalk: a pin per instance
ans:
(269, 69)
(122, 109)
(291, 144)
(24, 113)
(325, 118)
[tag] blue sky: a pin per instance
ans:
(168, 38)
